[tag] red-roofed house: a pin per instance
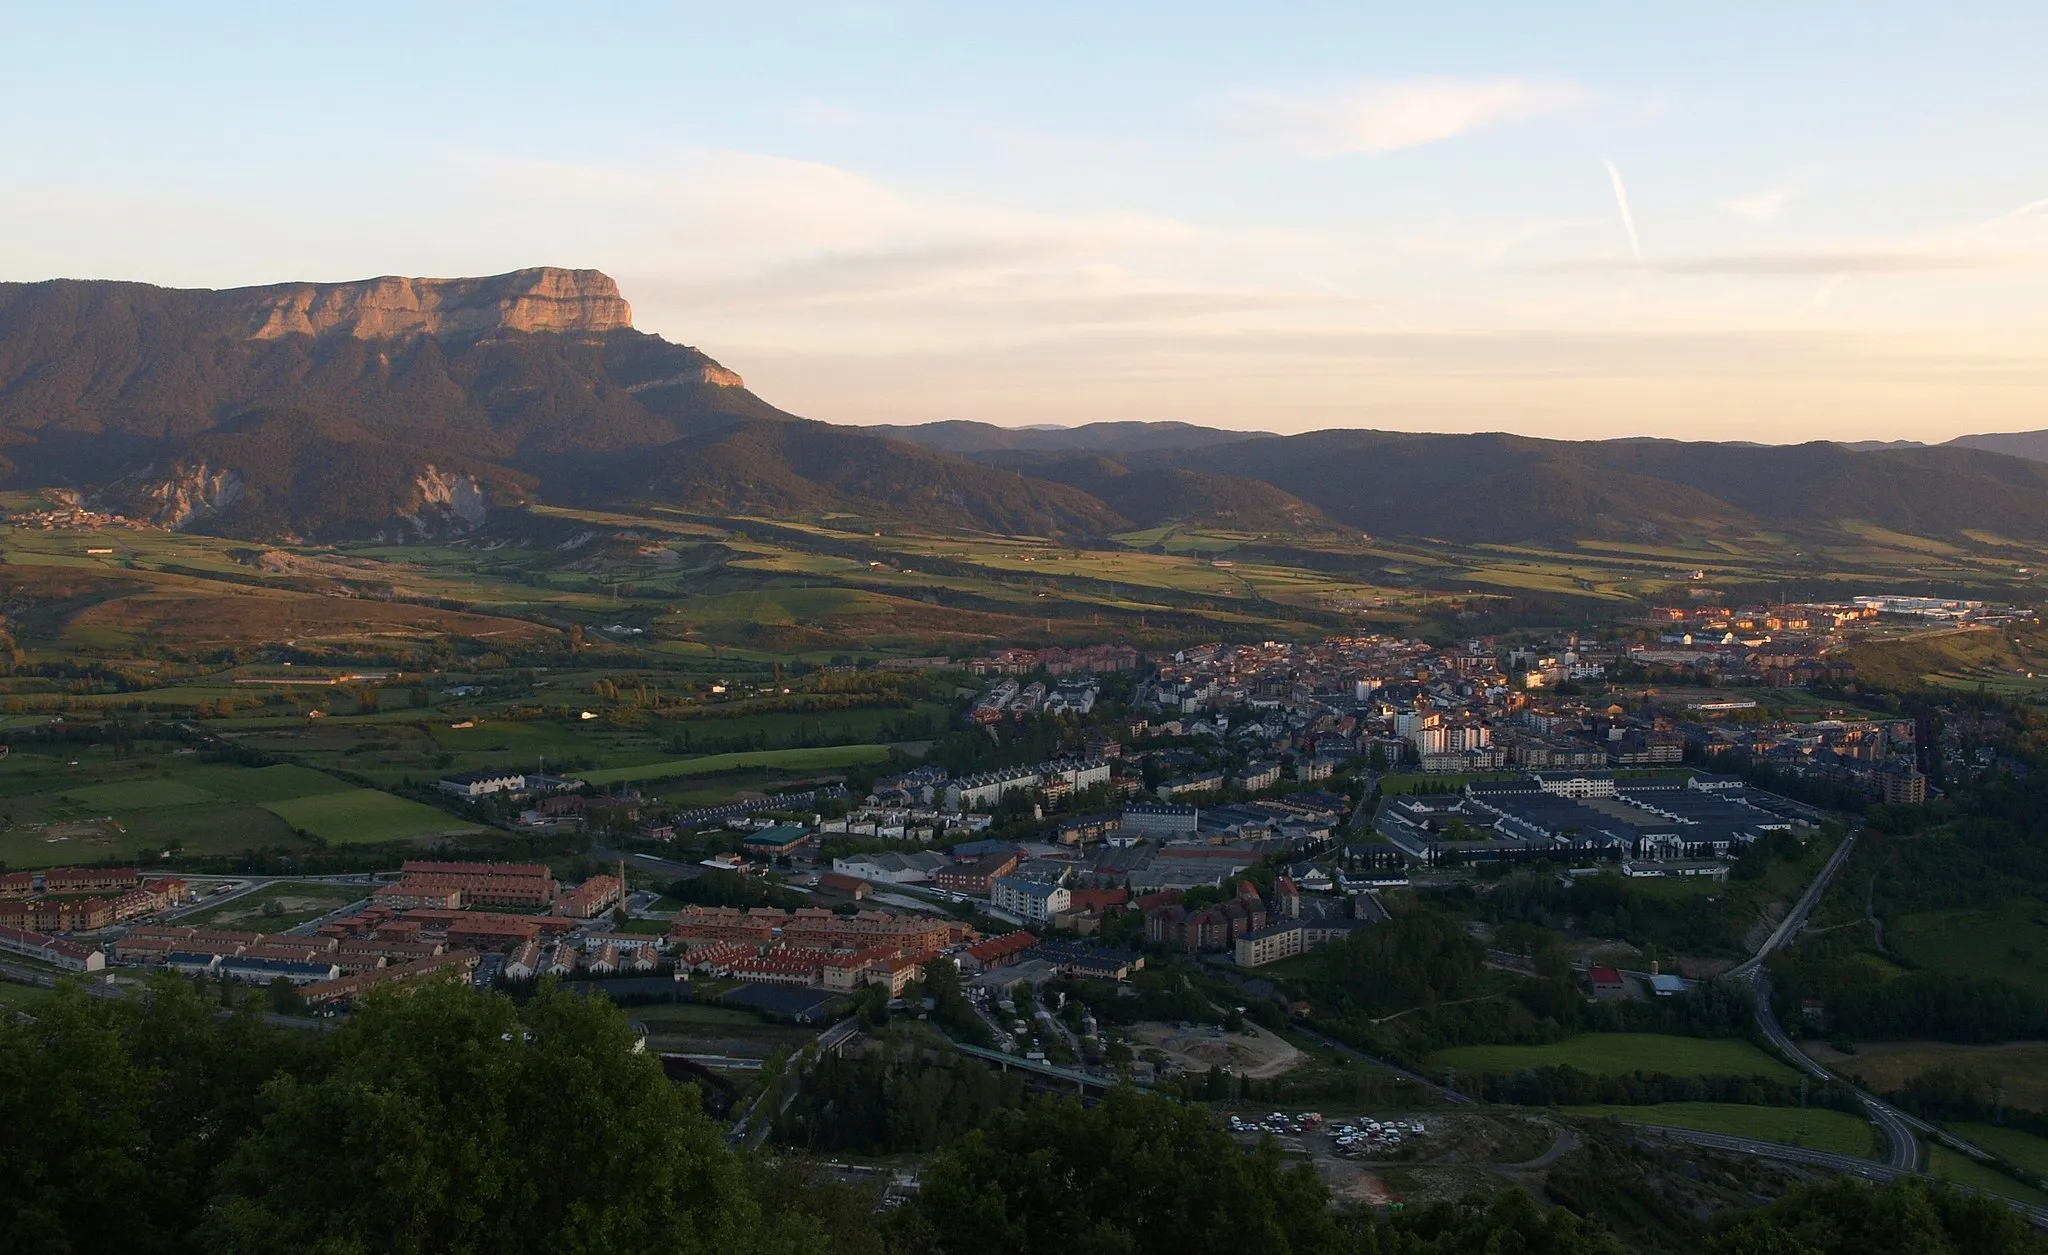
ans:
(996, 951)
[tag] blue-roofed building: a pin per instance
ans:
(191, 963)
(264, 971)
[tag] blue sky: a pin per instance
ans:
(1767, 222)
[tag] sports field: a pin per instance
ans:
(364, 817)
(1833, 1131)
(823, 758)
(1621, 1054)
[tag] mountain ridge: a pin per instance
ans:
(351, 409)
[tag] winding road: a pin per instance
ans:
(1902, 1131)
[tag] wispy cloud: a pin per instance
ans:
(1879, 260)
(1873, 261)
(1628, 219)
(2032, 209)
(1761, 207)
(1382, 115)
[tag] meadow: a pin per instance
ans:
(2020, 1067)
(2009, 943)
(1952, 1165)
(1620, 1054)
(823, 758)
(366, 817)
(1817, 1128)
(2024, 1150)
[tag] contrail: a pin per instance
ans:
(1621, 198)
(2024, 211)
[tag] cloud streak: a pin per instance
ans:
(1761, 207)
(1386, 115)
(1628, 219)
(1795, 263)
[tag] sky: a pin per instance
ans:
(1739, 221)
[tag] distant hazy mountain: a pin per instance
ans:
(1168, 494)
(2032, 445)
(1110, 438)
(1491, 486)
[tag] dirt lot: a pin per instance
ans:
(1461, 1151)
(1197, 1048)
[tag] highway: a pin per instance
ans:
(1867, 1169)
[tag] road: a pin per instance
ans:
(1795, 919)
(649, 863)
(1902, 1131)
(1867, 1169)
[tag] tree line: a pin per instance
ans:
(441, 1120)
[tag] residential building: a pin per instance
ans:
(1033, 900)
(471, 785)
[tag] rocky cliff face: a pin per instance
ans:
(449, 503)
(180, 497)
(545, 298)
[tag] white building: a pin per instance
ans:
(471, 785)
(1034, 900)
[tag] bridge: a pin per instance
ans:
(1081, 1081)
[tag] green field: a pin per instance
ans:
(2023, 1149)
(266, 784)
(823, 758)
(136, 795)
(298, 902)
(364, 817)
(1833, 1131)
(1952, 1165)
(2021, 1068)
(1620, 1054)
(2009, 944)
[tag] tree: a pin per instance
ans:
(1845, 1217)
(1133, 1175)
(454, 1122)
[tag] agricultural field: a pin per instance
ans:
(297, 903)
(365, 817)
(1620, 1054)
(824, 758)
(153, 800)
(1817, 1128)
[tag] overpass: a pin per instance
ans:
(1081, 1081)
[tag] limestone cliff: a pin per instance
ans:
(545, 298)
(180, 497)
(448, 503)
